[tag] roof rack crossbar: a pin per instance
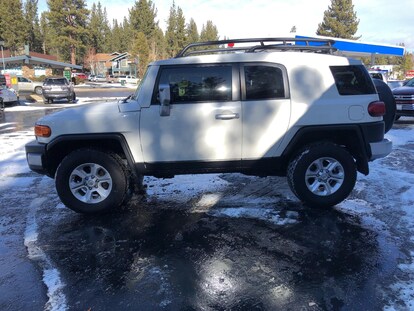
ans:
(302, 44)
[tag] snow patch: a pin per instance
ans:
(51, 276)
(269, 215)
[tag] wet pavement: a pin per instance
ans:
(153, 258)
(167, 251)
(216, 242)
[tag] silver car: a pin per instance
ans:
(58, 88)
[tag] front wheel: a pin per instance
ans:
(91, 181)
(322, 175)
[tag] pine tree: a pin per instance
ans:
(172, 46)
(12, 25)
(140, 51)
(99, 30)
(180, 31)
(142, 18)
(209, 32)
(47, 35)
(158, 48)
(69, 19)
(176, 32)
(33, 33)
(339, 21)
(405, 63)
(192, 32)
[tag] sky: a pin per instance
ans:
(381, 21)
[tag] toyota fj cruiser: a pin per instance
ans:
(272, 106)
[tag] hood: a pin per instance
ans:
(403, 90)
(85, 112)
(90, 119)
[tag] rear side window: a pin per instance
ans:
(263, 82)
(198, 83)
(352, 80)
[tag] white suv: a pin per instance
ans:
(264, 107)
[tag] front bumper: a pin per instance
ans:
(35, 155)
(380, 149)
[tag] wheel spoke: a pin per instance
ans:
(324, 176)
(315, 186)
(80, 173)
(90, 183)
(88, 196)
(103, 193)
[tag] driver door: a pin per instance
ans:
(203, 123)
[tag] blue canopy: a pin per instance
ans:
(351, 47)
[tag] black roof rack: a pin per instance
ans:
(260, 44)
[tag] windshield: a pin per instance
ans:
(135, 96)
(410, 82)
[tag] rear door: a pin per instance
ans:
(204, 124)
(266, 109)
(24, 84)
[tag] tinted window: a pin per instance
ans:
(198, 83)
(263, 82)
(352, 80)
(56, 82)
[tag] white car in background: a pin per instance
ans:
(128, 79)
(29, 85)
(9, 95)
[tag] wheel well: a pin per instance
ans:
(348, 137)
(61, 149)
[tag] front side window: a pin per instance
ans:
(198, 83)
(263, 82)
(352, 80)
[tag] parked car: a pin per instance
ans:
(80, 75)
(112, 79)
(128, 79)
(246, 112)
(379, 74)
(404, 99)
(29, 85)
(393, 84)
(99, 78)
(9, 95)
(91, 77)
(58, 88)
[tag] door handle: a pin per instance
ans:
(227, 116)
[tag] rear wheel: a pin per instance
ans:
(38, 90)
(322, 175)
(91, 181)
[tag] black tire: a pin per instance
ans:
(385, 95)
(70, 99)
(78, 185)
(336, 179)
(38, 90)
(74, 97)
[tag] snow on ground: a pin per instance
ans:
(391, 184)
